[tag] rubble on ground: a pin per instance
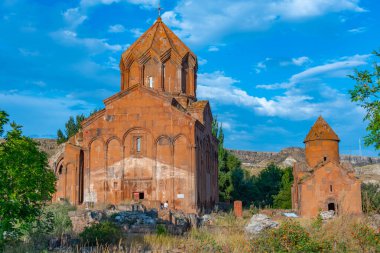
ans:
(134, 218)
(260, 222)
(327, 215)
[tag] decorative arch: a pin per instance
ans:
(134, 73)
(59, 166)
(70, 182)
(164, 168)
(138, 159)
(182, 168)
(171, 72)
(152, 73)
(132, 129)
(95, 139)
(114, 170)
(97, 170)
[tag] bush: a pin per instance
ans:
(53, 222)
(289, 237)
(371, 198)
(366, 238)
(161, 230)
(102, 233)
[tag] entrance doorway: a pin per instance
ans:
(331, 207)
(138, 195)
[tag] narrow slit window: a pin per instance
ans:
(325, 158)
(331, 189)
(150, 82)
(138, 144)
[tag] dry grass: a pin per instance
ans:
(226, 234)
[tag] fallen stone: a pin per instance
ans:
(327, 215)
(258, 223)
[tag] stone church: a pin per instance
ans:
(323, 183)
(152, 141)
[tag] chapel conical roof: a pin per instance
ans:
(321, 130)
(159, 39)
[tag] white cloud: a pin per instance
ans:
(118, 28)
(74, 17)
(92, 44)
(336, 68)
(342, 66)
(262, 65)
(143, 3)
(112, 63)
(200, 22)
(358, 30)
(213, 49)
(294, 103)
(137, 32)
(300, 61)
(202, 61)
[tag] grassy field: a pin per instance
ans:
(226, 234)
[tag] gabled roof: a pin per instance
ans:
(311, 173)
(321, 131)
(160, 39)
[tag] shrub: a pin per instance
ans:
(161, 230)
(102, 233)
(289, 237)
(366, 238)
(371, 198)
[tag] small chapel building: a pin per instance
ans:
(322, 183)
(153, 140)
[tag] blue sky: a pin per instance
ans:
(269, 68)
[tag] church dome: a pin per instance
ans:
(321, 130)
(161, 61)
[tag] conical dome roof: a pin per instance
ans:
(321, 130)
(161, 40)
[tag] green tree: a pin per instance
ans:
(233, 182)
(72, 126)
(26, 183)
(283, 199)
(268, 184)
(366, 93)
(3, 121)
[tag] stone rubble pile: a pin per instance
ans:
(327, 215)
(258, 223)
(134, 218)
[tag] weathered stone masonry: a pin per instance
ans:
(322, 182)
(152, 140)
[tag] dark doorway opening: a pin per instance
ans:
(80, 178)
(331, 207)
(138, 195)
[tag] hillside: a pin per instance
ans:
(366, 168)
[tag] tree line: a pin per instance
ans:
(271, 188)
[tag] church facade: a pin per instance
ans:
(323, 183)
(153, 140)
